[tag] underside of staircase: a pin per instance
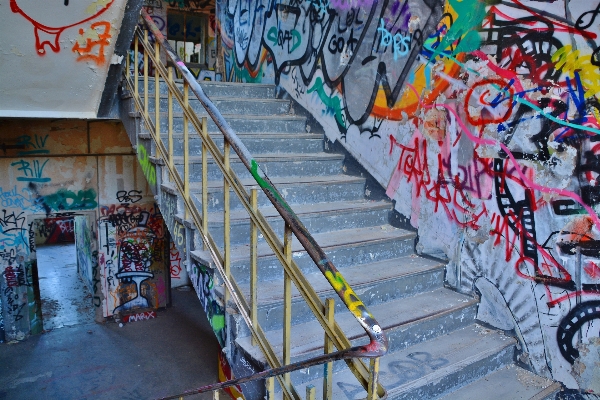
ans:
(436, 347)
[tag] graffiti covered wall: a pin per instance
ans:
(77, 175)
(481, 120)
(73, 43)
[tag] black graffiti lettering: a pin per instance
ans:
(583, 23)
(132, 196)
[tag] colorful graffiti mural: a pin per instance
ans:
(73, 203)
(481, 120)
(133, 258)
(203, 280)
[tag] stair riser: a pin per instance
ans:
(314, 223)
(427, 329)
(230, 106)
(302, 194)
(255, 145)
(271, 316)
(415, 333)
(216, 89)
(457, 379)
(240, 124)
(279, 168)
(270, 269)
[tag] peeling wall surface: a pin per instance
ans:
(84, 172)
(480, 120)
(55, 55)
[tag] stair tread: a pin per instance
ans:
(214, 83)
(307, 337)
(289, 157)
(357, 276)
(306, 210)
(326, 240)
(242, 116)
(248, 135)
(510, 382)
(228, 98)
(283, 181)
(426, 362)
(278, 181)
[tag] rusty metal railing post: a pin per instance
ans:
(157, 93)
(287, 301)
(226, 218)
(146, 112)
(328, 348)
(270, 388)
(373, 378)
(136, 61)
(186, 150)
(310, 392)
(170, 128)
(253, 264)
(204, 177)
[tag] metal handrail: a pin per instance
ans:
(378, 341)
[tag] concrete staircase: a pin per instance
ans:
(437, 348)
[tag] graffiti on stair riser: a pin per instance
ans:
(203, 280)
(175, 262)
(133, 257)
(147, 167)
(413, 366)
(481, 120)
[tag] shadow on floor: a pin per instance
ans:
(149, 359)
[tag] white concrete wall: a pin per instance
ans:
(55, 56)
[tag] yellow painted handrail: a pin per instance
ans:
(334, 336)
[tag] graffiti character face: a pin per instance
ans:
(57, 14)
(53, 17)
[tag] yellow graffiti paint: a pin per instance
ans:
(570, 61)
(354, 304)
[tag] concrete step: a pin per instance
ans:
(218, 89)
(295, 190)
(256, 143)
(317, 217)
(229, 105)
(344, 248)
(432, 368)
(240, 123)
(375, 283)
(274, 165)
(406, 321)
(510, 382)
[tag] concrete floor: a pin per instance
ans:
(80, 359)
(66, 301)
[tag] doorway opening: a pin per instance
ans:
(65, 299)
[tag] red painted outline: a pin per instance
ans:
(51, 30)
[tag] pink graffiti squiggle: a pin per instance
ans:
(491, 142)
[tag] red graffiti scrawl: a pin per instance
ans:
(51, 17)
